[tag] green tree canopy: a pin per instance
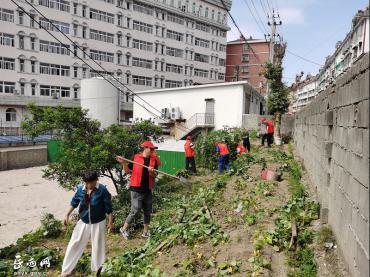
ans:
(85, 144)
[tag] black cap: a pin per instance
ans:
(89, 175)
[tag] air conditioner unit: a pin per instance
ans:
(16, 92)
(54, 95)
(175, 113)
(165, 113)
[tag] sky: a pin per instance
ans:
(310, 27)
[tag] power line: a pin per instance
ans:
(264, 9)
(269, 7)
(302, 58)
(119, 89)
(116, 79)
(263, 30)
(240, 32)
(258, 15)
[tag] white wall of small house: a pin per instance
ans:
(229, 102)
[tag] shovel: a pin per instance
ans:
(181, 179)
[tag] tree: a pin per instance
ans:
(85, 144)
(278, 98)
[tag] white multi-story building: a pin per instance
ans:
(304, 92)
(147, 44)
(348, 51)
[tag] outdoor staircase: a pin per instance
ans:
(194, 125)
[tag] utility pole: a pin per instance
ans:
(236, 72)
(272, 23)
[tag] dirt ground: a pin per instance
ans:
(25, 196)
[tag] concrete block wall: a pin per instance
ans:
(331, 136)
(22, 157)
(253, 121)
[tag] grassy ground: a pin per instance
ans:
(228, 225)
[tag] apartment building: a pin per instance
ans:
(304, 92)
(146, 44)
(245, 60)
(347, 52)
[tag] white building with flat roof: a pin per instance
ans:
(304, 92)
(146, 44)
(212, 106)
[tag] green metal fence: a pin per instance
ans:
(171, 161)
(54, 148)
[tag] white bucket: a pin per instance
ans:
(277, 140)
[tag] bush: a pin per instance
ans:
(206, 145)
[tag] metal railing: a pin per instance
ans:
(195, 121)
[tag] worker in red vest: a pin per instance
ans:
(190, 155)
(269, 131)
(141, 185)
(223, 160)
(240, 149)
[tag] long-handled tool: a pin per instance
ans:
(181, 179)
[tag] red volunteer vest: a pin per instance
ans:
(137, 171)
(189, 152)
(270, 127)
(224, 150)
(241, 148)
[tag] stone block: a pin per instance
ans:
(329, 118)
(361, 230)
(328, 149)
(365, 140)
(362, 114)
(359, 168)
(363, 201)
(362, 261)
(324, 215)
(356, 138)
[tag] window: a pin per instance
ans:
(175, 35)
(75, 72)
(221, 76)
(75, 50)
(75, 30)
(75, 93)
(141, 81)
(174, 68)
(33, 66)
(65, 92)
(143, 9)
(22, 85)
(45, 90)
(202, 27)
(102, 56)
(142, 63)
(21, 42)
(54, 47)
(200, 73)
(201, 58)
(119, 58)
(6, 39)
(63, 27)
(10, 114)
(33, 47)
(175, 18)
(98, 73)
(84, 31)
(142, 27)
(202, 42)
(119, 20)
(206, 13)
(60, 5)
(102, 16)
(7, 63)
(33, 89)
(32, 21)
(75, 8)
(6, 15)
(21, 65)
(119, 39)
(20, 18)
(222, 48)
(54, 69)
(142, 45)
(7, 87)
(83, 10)
(84, 73)
(174, 52)
(245, 58)
(101, 36)
(245, 47)
(173, 84)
